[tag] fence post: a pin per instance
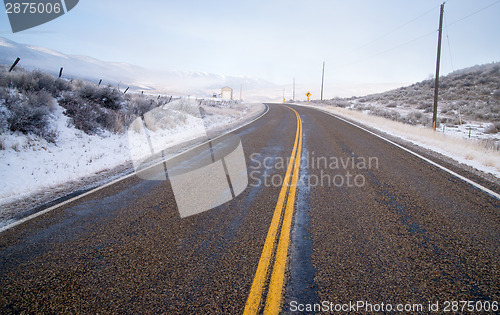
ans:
(15, 63)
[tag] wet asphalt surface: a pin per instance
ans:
(391, 230)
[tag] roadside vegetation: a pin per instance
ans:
(471, 94)
(29, 100)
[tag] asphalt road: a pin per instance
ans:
(371, 223)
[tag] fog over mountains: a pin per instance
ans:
(123, 74)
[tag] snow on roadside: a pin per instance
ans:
(470, 152)
(30, 165)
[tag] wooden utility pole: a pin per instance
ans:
(436, 82)
(322, 80)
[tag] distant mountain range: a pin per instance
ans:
(123, 74)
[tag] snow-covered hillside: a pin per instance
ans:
(91, 69)
(469, 103)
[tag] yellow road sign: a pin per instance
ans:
(308, 94)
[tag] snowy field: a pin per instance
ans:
(30, 165)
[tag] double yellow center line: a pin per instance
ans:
(280, 252)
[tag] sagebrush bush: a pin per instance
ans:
(496, 94)
(138, 105)
(82, 114)
(425, 105)
(92, 108)
(34, 81)
(3, 120)
(390, 114)
(29, 114)
(493, 128)
(363, 106)
(185, 106)
(107, 97)
(27, 100)
(417, 118)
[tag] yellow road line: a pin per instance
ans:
(274, 294)
(255, 296)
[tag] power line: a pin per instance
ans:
(448, 41)
(391, 49)
(428, 34)
(397, 28)
(474, 13)
(403, 44)
(391, 32)
(416, 38)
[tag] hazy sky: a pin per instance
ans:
(374, 41)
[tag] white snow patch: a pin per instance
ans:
(4, 43)
(47, 51)
(31, 164)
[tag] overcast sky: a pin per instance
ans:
(375, 41)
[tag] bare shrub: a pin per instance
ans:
(119, 123)
(30, 115)
(392, 115)
(425, 105)
(3, 122)
(34, 81)
(107, 97)
(363, 106)
(493, 128)
(28, 98)
(93, 109)
(184, 105)
(496, 94)
(82, 114)
(139, 105)
(60, 85)
(417, 118)
(413, 118)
